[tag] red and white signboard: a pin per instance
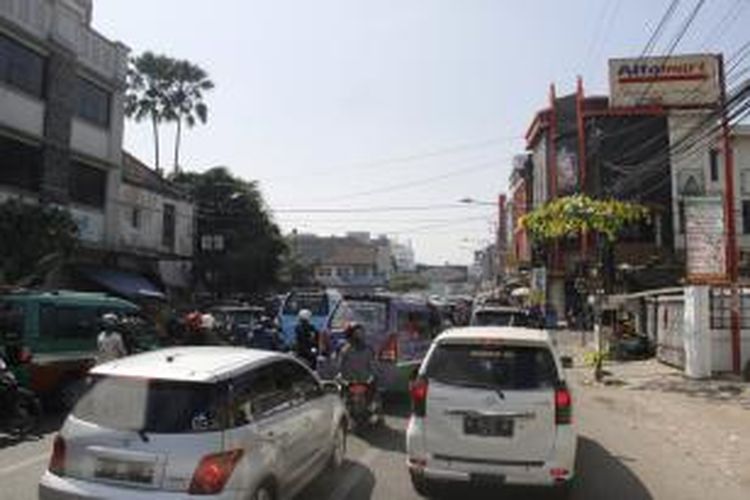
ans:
(705, 240)
(685, 80)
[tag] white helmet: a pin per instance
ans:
(304, 315)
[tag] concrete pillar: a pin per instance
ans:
(697, 332)
(60, 92)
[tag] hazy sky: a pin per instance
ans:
(389, 103)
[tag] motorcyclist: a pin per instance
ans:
(264, 335)
(357, 360)
(110, 343)
(306, 338)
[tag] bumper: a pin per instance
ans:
(557, 468)
(52, 487)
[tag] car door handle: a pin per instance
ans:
(275, 436)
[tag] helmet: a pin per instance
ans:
(304, 315)
(109, 320)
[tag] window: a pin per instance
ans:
(68, 322)
(93, 103)
(87, 185)
(493, 366)
(135, 217)
(361, 270)
(20, 164)
(746, 216)
(713, 160)
(343, 272)
(153, 406)
(298, 380)
(260, 394)
(681, 217)
(316, 303)
(324, 272)
(168, 226)
(21, 67)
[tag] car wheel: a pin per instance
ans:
(264, 493)
(339, 448)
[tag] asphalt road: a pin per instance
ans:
(617, 460)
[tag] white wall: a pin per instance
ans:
(21, 112)
(148, 236)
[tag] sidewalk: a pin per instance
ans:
(706, 423)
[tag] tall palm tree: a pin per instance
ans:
(150, 78)
(189, 82)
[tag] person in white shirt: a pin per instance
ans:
(110, 343)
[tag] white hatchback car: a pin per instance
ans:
(209, 422)
(490, 406)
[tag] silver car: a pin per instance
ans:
(210, 422)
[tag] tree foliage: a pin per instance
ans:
(233, 208)
(164, 89)
(32, 236)
(571, 215)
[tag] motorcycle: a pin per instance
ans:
(363, 402)
(20, 411)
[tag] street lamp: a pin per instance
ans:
(471, 201)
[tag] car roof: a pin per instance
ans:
(500, 309)
(194, 364)
(509, 334)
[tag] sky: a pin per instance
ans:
(360, 106)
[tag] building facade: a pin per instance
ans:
(61, 112)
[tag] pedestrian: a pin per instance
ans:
(110, 343)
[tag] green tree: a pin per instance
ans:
(149, 81)
(189, 83)
(249, 256)
(579, 214)
(33, 238)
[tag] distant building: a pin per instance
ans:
(445, 280)
(403, 257)
(351, 264)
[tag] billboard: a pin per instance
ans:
(685, 80)
(704, 239)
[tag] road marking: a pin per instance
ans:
(24, 463)
(354, 476)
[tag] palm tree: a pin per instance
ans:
(150, 78)
(189, 82)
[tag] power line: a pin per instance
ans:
(656, 34)
(354, 210)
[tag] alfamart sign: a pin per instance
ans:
(690, 80)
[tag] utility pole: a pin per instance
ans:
(730, 222)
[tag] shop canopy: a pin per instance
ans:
(126, 284)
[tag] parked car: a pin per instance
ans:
(204, 422)
(60, 329)
(500, 316)
(491, 406)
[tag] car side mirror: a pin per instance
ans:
(567, 361)
(330, 387)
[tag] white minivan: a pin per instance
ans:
(206, 422)
(490, 406)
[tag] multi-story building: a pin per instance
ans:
(519, 195)
(350, 263)
(62, 90)
(61, 112)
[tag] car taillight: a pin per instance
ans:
(563, 406)
(358, 388)
(213, 472)
(57, 460)
(418, 390)
(390, 351)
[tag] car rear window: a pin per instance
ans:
(316, 303)
(493, 366)
(153, 406)
(500, 318)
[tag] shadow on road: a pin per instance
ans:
(600, 476)
(49, 424)
(353, 481)
(708, 390)
(385, 437)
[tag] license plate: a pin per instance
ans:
(131, 472)
(488, 426)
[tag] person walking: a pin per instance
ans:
(110, 343)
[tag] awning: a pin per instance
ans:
(130, 285)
